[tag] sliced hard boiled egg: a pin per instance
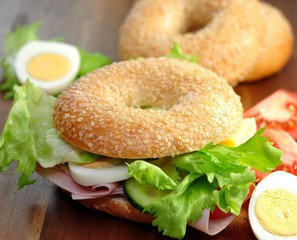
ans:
(104, 170)
(246, 130)
(50, 65)
(273, 207)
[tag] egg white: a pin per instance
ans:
(35, 48)
(86, 176)
(278, 179)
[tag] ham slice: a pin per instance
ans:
(211, 226)
(60, 176)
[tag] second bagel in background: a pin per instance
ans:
(241, 41)
(226, 34)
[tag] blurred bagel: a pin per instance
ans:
(226, 34)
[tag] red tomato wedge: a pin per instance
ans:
(277, 111)
(218, 214)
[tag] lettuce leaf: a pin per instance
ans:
(176, 52)
(24, 34)
(13, 42)
(91, 61)
(167, 166)
(185, 204)
(231, 196)
(29, 135)
(215, 175)
(145, 172)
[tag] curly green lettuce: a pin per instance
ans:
(91, 61)
(13, 42)
(216, 175)
(29, 136)
(176, 52)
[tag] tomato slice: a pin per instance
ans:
(277, 111)
(218, 214)
(282, 140)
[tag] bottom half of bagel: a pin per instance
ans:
(118, 206)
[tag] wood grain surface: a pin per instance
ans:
(42, 211)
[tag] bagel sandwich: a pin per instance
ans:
(172, 178)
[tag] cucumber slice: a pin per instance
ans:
(141, 195)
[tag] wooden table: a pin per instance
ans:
(42, 211)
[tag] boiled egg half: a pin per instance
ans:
(50, 65)
(104, 170)
(273, 207)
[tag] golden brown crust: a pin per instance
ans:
(227, 43)
(117, 206)
(101, 112)
(278, 43)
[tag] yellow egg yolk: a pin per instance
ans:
(48, 66)
(276, 210)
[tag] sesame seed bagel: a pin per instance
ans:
(226, 34)
(103, 112)
(278, 43)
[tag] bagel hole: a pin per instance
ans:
(151, 108)
(198, 14)
(193, 28)
(197, 21)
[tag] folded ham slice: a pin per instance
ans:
(211, 226)
(60, 176)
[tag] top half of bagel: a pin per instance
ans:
(106, 112)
